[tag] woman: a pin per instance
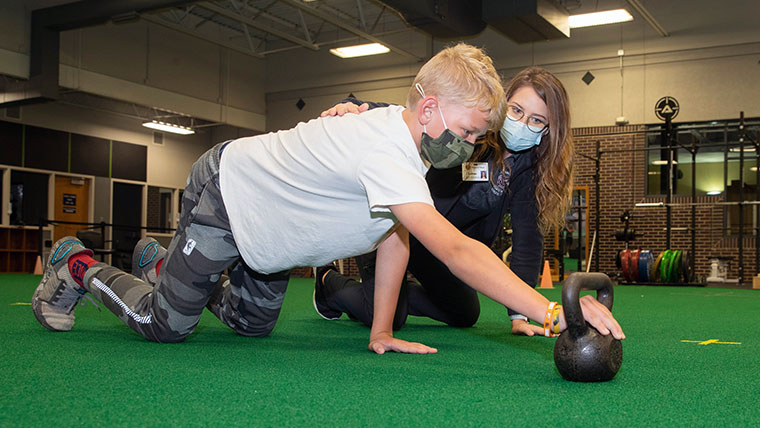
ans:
(529, 177)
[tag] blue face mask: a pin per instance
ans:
(518, 137)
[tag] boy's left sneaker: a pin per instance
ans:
(57, 294)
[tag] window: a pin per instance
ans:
(714, 168)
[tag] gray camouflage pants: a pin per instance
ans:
(189, 279)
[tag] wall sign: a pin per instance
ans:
(69, 203)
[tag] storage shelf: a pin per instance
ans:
(19, 248)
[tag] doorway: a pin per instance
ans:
(72, 203)
(127, 219)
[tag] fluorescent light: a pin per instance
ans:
(360, 50)
(714, 192)
(663, 162)
(650, 204)
(599, 18)
(746, 149)
(168, 127)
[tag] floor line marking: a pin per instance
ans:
(709, 341)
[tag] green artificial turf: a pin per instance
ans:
(312, 372)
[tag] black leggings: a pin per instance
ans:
(439, 295)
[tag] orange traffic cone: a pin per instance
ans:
(38, 266)
(546, 277)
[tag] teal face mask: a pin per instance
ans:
(518, 136)
(448, 149)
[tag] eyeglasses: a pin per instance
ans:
(535, 124)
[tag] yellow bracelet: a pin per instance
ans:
(555, 319)
(548, 318)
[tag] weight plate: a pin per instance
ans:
(669, 266)
(618, 263)
(664, 265)
(625, 258)
(686, 266)
(677, 270)
(634, 266)
(656, 276)
(645, 265)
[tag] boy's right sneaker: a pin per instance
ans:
(57, 294)
(319, 299)
(145, 257)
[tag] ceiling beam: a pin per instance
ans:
(340, 24)
(247, 21)
(638, 7)
(189, 32)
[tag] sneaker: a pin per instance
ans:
(319, 299)
(54, 299)
(148, 252)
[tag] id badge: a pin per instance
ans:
(475, 171)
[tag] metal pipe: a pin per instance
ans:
(669, 194)
(693, 207)
(741, 198)
(686, 204)
(638, 7)
(597, 199)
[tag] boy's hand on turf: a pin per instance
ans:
(524, 328)
(347, 107)
(385, 342)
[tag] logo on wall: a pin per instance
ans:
(666, 108)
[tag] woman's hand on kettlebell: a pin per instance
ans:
(524, 328)
(600, 317)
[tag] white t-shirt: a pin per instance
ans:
(320, 191)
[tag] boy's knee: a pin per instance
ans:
(165, 336)
(257, 330)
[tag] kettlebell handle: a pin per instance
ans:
(598, 281)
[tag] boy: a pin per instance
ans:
(324, 190)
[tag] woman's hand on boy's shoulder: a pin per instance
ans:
(343, 108)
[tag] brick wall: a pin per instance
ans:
(623, 184)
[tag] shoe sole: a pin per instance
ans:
(36, 308)
(314, 302)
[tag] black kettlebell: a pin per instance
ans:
(581, 353)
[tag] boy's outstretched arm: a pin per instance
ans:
(390, 270)
(481, 269)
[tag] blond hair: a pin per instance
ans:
(554, 156)
(462, 74)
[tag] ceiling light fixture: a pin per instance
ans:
(360, 50)
(600, 18)
(168, 127)
(663, 162)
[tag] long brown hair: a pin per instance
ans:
(553, 157)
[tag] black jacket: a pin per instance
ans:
(450, 193)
